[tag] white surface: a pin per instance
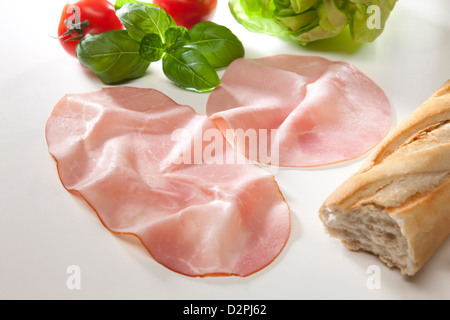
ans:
(45, 229)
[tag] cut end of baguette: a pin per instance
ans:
(397, 205)
(371, 229)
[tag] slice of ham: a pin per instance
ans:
(316, 111)
(116, 148)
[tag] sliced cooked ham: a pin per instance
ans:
(132, 154)
(315, 111)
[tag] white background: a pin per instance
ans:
(44, 229)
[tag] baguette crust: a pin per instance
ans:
(407, 180)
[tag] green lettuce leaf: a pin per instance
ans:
(360, 17)
(310, 20)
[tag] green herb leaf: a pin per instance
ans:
(189, 69)
(120, 3)
(152, 47)
(176, 36)
(216, 43)
(140, 19)
(113, 56)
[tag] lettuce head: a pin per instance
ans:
(310, 20)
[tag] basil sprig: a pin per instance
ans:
(190, 58)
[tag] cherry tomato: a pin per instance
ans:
(187, 13)
(85, 16)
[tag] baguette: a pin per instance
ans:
(397, 205)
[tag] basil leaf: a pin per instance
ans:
(152, 48)
(189, 69)
(217, 43)
(140, 19)
(113, 56)
(119, 3)
(176, 36)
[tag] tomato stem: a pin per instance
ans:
(74, 26)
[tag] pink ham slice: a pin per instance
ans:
(115, 148)
(317, 111)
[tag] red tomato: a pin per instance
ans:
(85, 16)
(187, 13)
